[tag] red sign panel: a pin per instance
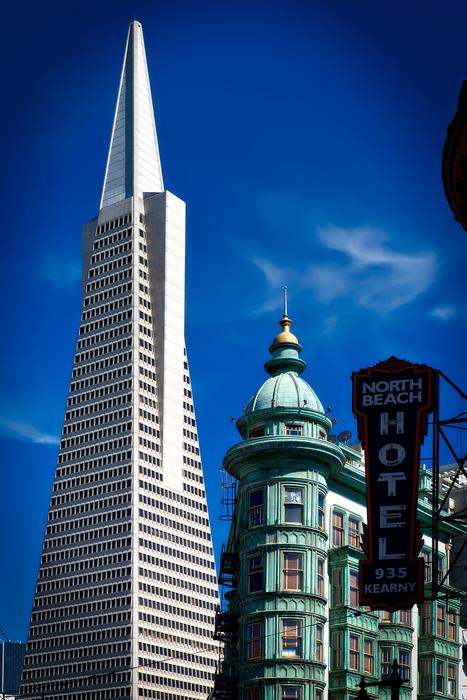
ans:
(392, 401)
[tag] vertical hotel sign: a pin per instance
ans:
(391, 401)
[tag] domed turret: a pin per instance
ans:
(285, 388)
(281, 467)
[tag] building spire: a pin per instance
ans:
(133, 162)
(285, 348)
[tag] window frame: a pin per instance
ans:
(337, 587)
(337, 531)
(294, 429)
(255, 572)
(346, 528)
(297, 696)
(354, 590)
(404, 668)
(426, 614)
(424, 675)
(321, 511)
(353, 534)
(253, 508)
(299, 506)
(254, 642)
(386, 617)
(440, 676)
(286, 639)
(369, 656)
(320, 577)
(451, 679)
(426, 555)
(287, 573)
(452, 625)
(384, 663)
(405, 616)
(319, 642)
(354, 652)
(440, 620)
(337, 650)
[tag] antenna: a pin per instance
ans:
(285, 301)
(344, 436)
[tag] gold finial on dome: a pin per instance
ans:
(285, 336)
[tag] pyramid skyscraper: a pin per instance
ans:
(126, 592)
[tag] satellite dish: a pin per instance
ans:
(344, 436)
(332, 438)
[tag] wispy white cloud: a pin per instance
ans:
(276, 277)
(330, 323)
(62, 273)
(443, 313)
(365, 270)
(25, 431)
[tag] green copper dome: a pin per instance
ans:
(285, 389)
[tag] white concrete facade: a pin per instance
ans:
(127, 591)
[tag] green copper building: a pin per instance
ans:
(291, 624)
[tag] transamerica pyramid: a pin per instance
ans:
(126, 592)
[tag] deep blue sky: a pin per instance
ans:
(305, 138)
